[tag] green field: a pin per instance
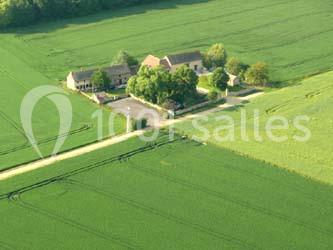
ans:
(293, 37)
(313, 98)
(172, 195)
(177, 194)
(17, 78)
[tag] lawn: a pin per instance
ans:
(174, 195)
(204, 83)
(312, 97)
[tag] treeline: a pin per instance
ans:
(14, 13)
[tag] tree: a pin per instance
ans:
(257, 74)
(153, 85)
(213, 95)
(123, 57)
(185, 82)
(17, 12)
(219, 79)
(159, 86)
(132, 84)
(235, 66)
(216, 56)
(24, 12)
(100, 80)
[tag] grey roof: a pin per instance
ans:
(134, 69)
(165, 63)
(110, 71)
(186, 57)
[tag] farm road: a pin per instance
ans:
(24, 168)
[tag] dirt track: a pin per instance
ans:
(24, 168)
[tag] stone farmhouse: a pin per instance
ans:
(192, 59)
(173, 62)
(119, 75)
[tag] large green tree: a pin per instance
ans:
(235, 67)
(219, 79)
(216, 56)
(153, 85)
(257, 74)
(100, 80)
(185, 82)
(159, 86)
(17, 12)
(123, 57)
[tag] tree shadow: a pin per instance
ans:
(235, 107)
(52, 25)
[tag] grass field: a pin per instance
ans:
(180, 194)
(175, 195)
(17, 78)
(313, 98)
(294, 37)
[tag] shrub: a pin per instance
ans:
(139, 124)
(219, 79)
(123, 57)
(25, 12)
(170, 104)
(235, 67)
(257, 74)
(212, 95)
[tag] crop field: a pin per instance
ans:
(167, 195)
(312, 98)
(16, 79)
(178, 194)
(293, 37)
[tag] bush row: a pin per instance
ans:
(14, 13)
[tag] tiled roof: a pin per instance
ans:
(110, 71)
(186, 57)
(151, 61)
(165, 63)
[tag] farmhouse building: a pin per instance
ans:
(233, 80)
(191, 59)
(173, 62)
(119, 75)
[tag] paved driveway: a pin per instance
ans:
(137, 110)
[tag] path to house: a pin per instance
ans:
(231, 102)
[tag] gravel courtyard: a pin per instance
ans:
(137, 110)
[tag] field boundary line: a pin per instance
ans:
(67, 155)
